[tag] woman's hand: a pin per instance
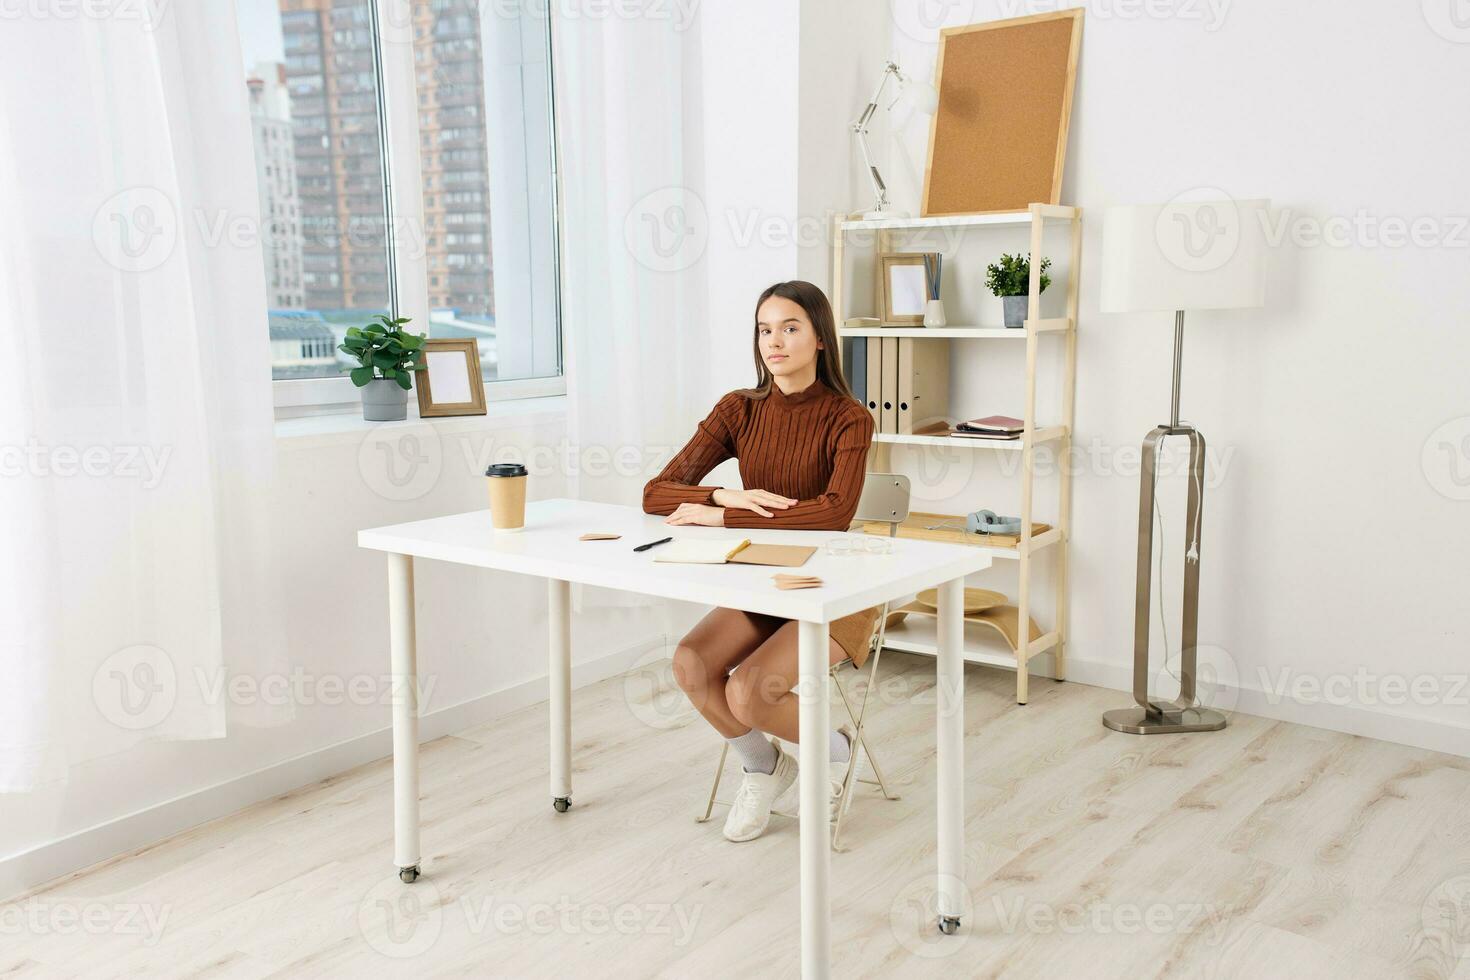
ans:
(756, 500)
(697, 514)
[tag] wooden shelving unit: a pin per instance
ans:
(916, 633)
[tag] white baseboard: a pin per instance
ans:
(26, 871)
(1379, 723)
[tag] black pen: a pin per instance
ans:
(645, 547)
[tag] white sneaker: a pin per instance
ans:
(751, 810)
(789, 803)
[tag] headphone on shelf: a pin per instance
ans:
(987, 522)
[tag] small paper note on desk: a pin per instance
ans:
(599, 536)
(784, 581)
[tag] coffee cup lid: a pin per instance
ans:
(506, 469)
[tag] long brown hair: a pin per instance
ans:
(829, 362)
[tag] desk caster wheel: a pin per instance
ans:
(562, 803)
(408, 875)
(949, 924)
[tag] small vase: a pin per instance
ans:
(934, 313)
(1015, 310)
(384, 401)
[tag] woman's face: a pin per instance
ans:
(788, 341)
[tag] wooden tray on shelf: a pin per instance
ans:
(917, 526)
(976, 600)
(1002, 619)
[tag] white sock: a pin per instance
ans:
(841, 747)
(756, 752)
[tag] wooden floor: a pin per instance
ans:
(1264, 850)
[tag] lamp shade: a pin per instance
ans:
(920, 95)
(1196, 255)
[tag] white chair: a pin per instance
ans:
(885, 497)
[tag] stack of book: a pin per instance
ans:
(990, 427)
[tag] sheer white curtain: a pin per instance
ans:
(135, 418)
(632, 244)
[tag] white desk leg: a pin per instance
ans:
(559, 605)
(950, 684)
(816, 847)
(404, 654)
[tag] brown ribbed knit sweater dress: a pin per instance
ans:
(812, 445)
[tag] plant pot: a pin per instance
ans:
(384, 401)
(1015, 310)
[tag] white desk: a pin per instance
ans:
(548, 548)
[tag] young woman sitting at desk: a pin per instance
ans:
(802, 442)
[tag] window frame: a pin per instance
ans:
(396, 95)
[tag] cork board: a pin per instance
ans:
(999, 138)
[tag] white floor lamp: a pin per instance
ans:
(1182, 256)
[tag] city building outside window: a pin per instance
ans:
(335, 252)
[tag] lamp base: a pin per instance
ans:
(878, 214)
(1138, 721)
(1151, 717)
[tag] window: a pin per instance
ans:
(480, 84)
(328, 270)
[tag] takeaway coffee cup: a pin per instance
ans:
(507, 483)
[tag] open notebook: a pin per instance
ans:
(717, 551)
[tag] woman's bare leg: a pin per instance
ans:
(759, 693)
(705, 655)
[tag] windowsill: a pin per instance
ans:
(311, 430)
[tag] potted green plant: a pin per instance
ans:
(387, 356)
(1011, 281)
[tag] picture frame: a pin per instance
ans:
(452, 366)
(903, 288)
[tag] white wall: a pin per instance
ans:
(843, 51)
(749, 63)
(1332, 552)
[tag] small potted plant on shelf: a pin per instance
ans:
(388, 356)
(1011, 281)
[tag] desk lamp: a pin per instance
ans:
(1179, 256)
(922, 96)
